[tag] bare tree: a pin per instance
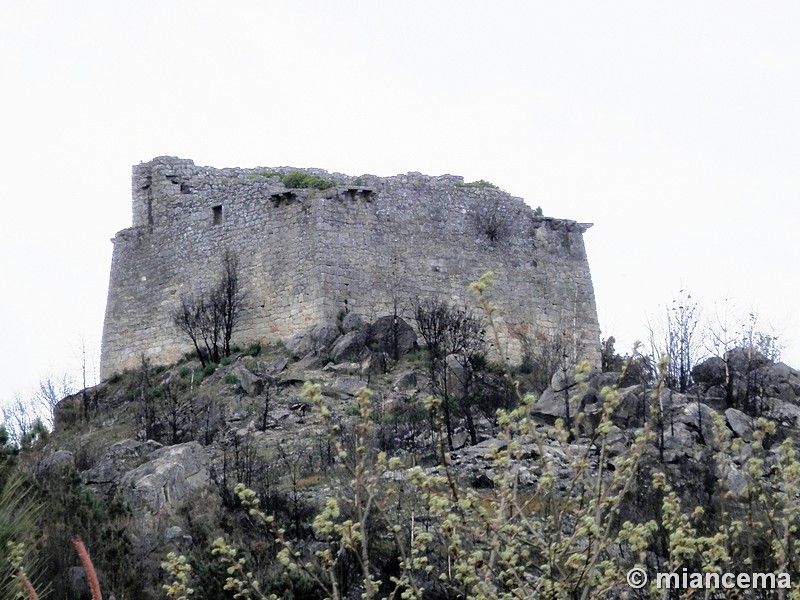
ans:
(177, 409)
(682, 340)
(269, 390)
(550, 351)
(52, 390)
(228, 300)
(291, 461)
(546, 351)
(446, 330)
(209, 319)
(18, 420)
(679, 340)
(463, 369)
(147, 396)
(190, 318)
(743, 349)
(22, 423)
(28, 420)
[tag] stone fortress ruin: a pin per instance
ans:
(364, 245)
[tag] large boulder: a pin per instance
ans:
(248, 382)
(634, 407)
(375, 363)
(274, 367)
(343, 387)
(393, 336)
(786, 413)
(584, 391)
(406, 380)
(782, 381)
(699, 417)
(710, 372)
(314, 340)
(56, 463)
(552, 405)
(745, 360)
(117, 460)
(680, 443)
(740, 423)
(352, 322)
(173, 479)
(350, 347)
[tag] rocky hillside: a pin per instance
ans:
(147, 463)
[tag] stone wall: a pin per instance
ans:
(306, 255)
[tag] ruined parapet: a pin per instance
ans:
(362, 245)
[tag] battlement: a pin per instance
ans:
(355, 244)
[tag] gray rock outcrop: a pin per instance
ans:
(171, 479)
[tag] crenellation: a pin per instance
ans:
(306, 255)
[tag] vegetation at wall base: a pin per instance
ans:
(374, 496)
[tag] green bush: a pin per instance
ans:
(419, 357)
(209, 369)
(231, 379)
(301, 180)
(353, 410)
(481, 184)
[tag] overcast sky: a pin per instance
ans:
(674, 127)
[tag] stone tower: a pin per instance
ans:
(307, 255)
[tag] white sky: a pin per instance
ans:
(673, 126)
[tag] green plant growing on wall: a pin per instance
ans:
(302, 180)
(481, 184)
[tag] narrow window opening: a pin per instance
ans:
(217, 210)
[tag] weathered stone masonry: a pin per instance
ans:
(308, 255)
